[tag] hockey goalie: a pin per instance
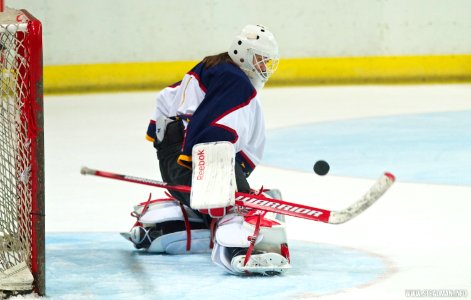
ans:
(216, 103)
(209, 134)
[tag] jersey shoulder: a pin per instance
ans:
(226, 74)
(229, 72)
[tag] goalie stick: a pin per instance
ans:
(279, 206)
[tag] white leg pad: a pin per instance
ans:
(175, 243)
(221, 259)
(231, 232)
(272, 237)
(166, 210)
(171, 243)
(267, 257)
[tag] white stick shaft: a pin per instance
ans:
(373, 194)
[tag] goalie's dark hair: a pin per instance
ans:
(213, 60)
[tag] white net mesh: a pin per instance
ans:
(15, 142)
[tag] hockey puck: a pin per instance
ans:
(321, 167)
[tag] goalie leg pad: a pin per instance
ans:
(165, 210)
(231, 232)
(176, 242)
(232, 240)
(161, 228)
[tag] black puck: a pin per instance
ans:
(321, 167)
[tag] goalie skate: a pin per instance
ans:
(265, 264)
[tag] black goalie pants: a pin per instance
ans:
(172, 173)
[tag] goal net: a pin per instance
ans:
(21, 153)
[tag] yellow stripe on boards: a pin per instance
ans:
(113, 77)
(387, 69)
(291, 71)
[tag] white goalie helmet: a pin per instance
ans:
(255, 51)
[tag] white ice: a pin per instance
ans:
(421, 230)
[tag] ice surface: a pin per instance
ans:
(427, 148)
(415, 237)
(105, 266)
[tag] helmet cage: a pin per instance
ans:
(262, 63)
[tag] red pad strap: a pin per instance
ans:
(144, 210)
(187, 227)
(253, 239)
(212, 228)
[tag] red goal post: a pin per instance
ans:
(22, 239)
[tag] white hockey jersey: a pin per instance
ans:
(216, 104)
